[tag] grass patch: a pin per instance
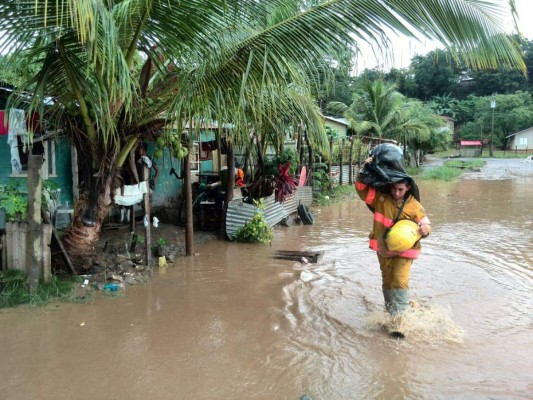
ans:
(335, 195)
(504, 154)
(452, 169)
(413, 171)
(495, 154)
(469, 165)
(14, 289)
(442, 174)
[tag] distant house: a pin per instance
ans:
(470, 148)
(341, 125)
(521, 141)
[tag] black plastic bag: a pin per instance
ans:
(386, 168)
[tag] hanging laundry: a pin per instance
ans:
(4, 124)
(17, 127)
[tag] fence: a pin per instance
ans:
(335, 174)
(239, 212)
(17, 252)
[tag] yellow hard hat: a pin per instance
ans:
(402, 236)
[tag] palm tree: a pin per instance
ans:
(375, 111)
(379, 110)
(201, 59)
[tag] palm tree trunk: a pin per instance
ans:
(81, 237)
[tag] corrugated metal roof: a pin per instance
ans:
(239, 212)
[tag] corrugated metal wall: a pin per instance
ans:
(335, 174)
(239, 213)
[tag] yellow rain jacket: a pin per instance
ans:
(385, 211)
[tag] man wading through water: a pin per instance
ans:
(388, 208)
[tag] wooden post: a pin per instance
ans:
(341, 162)
(350, 173)
(33, 236)
(230, 162)
(311, 161)
(330, 154)
(4, 251)
(146, 220)
(189, 229)
(74, 167)
(46, 253)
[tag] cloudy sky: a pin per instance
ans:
(405, 49)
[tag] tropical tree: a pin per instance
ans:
(443, 105)
(379, 110)
(202, 59)
(513, 113)
(436, 74)
(375, 110)
(421, 130)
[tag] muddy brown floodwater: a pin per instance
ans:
(234, 323)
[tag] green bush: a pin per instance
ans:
(321, 179)
(256, 230)
(14, 201)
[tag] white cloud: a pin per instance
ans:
(405, 49)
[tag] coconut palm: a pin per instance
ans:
(201, 59)
(379, 110)
(376, 110)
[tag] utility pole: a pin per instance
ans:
(481, 140)
(493, 106)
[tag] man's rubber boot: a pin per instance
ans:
(399, 305)
(396, 327)
(388, 297)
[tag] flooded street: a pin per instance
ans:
(234, 323)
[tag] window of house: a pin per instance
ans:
(19, 125)
(46, 149)
(195, 157)
(522, 141)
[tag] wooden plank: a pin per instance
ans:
(295, 255)
(34, 233)
(74, 168)
(47, 254)
(8, 254)
(55, 236)
(4, 251)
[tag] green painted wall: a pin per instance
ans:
(166, 193)
(5, 157)
(168, 188)
(64, 169)
(63, 175)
